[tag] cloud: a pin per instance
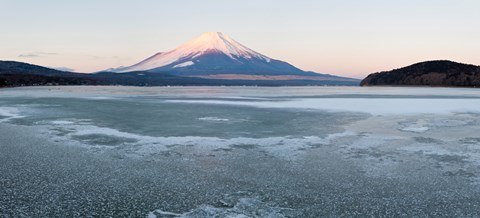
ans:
(36, 54)
(30, 55)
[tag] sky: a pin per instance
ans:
(343, 37)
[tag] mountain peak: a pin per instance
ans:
(220, 42)
(206, 43)
(213, 37)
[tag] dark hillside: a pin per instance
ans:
(430, 73)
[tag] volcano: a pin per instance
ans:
(214, 55)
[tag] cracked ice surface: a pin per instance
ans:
(239, 151)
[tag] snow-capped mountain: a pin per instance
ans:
(214, 53)
(189, 53)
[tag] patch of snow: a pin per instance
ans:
(154, 214)
(9, 113)
(184, 64)
(62, 122)
(416, 129)
(99, 98)
(244, 207)
(286, 147)
(420, 126)
(213, 119)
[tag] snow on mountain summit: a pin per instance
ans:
(209, 42)
(221, 42)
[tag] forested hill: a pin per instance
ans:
(430, 73)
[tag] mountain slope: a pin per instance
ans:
(214, 55)
(14, 67)
(429, 73)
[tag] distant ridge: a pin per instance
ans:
(443, 73)
(13, 73)
(14, 67)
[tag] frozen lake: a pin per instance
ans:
(239, 151)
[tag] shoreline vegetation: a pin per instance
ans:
(441, 73)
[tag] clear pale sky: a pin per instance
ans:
(343, 37)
